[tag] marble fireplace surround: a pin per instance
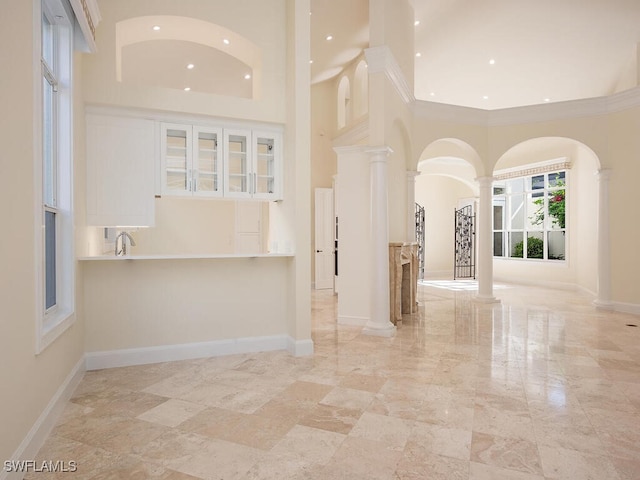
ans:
(403, 279)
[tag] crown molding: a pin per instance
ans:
(586, 107)
(356, 133)
(381, 60)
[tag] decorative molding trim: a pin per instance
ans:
(535, 170)
(381, 60)
(186, 351)
(528, 114)
(46, 421)
(88, 16)
(352, 320)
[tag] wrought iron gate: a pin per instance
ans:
(420, 238)
(465, 265)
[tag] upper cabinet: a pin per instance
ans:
(252, 163)
(121, 154)
(190, 161)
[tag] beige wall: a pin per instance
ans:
(28, 381)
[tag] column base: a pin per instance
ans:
(603, 304)
(388, 330)
(485, 299)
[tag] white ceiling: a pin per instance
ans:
(544, 50)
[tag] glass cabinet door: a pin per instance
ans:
(238, 163)
(176, 159)
(266, 165)
(207, 167)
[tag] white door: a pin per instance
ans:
(324, 238)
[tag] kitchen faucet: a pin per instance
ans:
(123, 250)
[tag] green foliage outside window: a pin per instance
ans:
(556, 207)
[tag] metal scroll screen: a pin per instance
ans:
(465, 264)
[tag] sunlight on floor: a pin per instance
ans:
(456, 284)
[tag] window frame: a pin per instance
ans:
(53, 171)
(505, 200)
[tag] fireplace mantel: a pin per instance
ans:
(403, 279)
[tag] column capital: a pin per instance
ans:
(378, 153)
(411, 174)
(485, 181)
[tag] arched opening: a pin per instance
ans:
(344, 98)
(361, 90)
(545, 214)
(446, 182)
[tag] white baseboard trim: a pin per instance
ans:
(299, 348)
(352, 320)
(438, 274)
(41, 429)
(187, 351)
(623, 307)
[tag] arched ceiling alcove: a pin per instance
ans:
(156, 50)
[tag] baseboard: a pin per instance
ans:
(187, 351)
(623, 307)
(352, 320)
(299, 348)
(41, 429)
(438, 275)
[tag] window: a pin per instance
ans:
(54, 232)
(529, 216)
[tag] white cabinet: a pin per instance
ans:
(121, 154)
(252, 163)
(190, 164)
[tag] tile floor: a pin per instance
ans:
(540, 386)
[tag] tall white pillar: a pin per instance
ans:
(484, 237)
(379, 323)
(603, 299)
(411, 205)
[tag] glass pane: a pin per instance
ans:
(265, 165)
(48, 144)
(535, 212)
(50, 258)
(176, 159)
(535, 245)
(499, 190)
(498, 214)
(556, 206)
(515, 185)
(238, 168)
(537, 182)
(555, 246)
(47, 42)
(207, 162)
(498, 244)
(516, 244)
(516, 213)
(557, 179)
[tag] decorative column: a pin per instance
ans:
(378, 323)
(411, 206)
(484, 237)
(603, 299)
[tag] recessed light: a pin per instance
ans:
(486, 97)
(547, 99)
(329, 37)
(418, 54)
(156, 27)
(492, 62)
(310, 61)
(416, 23)
(247, 76)
(225, 41)
(186, 89)
(432, 94)
(190, 66)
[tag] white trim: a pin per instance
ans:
(528, 114)
(632, 308)
(562, 163)
(352, 320)
(186, 351)
(41, 429)
(381, 60)
(356, 133)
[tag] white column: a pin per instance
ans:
(603, 299)
(411, 206)
(379, 323)
(484, 237)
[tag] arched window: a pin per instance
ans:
(344, 98)
(361, 90)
